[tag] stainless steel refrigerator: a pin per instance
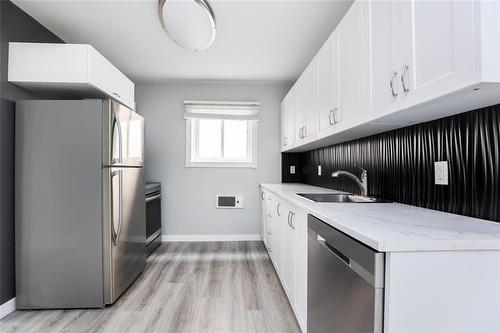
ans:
(80, 208)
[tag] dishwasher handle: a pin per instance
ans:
(333, 250)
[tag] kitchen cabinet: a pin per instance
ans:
(390, 64)
(419, 50)
(443, 47)
(272, 213)
(71, 70)
(288, 121)
(389, 52)
(290, 251)
(350, 64)
(328, 85)
(306, 112)
(285, 237)
(456, 271)
(300, 225)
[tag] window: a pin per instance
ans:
(221, 134)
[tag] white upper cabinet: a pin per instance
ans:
(443, 47)
(328, 86)
(389, 64)
(350, 64)
(419, 50)
(389, 49)
(74, 70)
(288, 121)
(306, 110)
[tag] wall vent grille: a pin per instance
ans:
(229, 201)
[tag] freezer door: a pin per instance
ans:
(124, 229)
(123, 137)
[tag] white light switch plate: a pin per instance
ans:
(292, 169)
(441, 173)
(319, 170)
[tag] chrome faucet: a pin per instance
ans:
(362, 181)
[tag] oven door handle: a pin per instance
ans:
(154, 197)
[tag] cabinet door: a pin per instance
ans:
(351, 67)
(300, 110)
(289, 255)
(388, 47)
(443, 47)
(267, 218)
(328, 88)
(288, 121)
(310, 101)
(106, 77)
(277, 236)
(263, 215)
(300, 225)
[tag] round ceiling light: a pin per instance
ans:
(189, 23)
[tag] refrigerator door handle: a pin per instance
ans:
(116, 125)
(115, 234)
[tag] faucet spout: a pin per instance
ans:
(361, 182)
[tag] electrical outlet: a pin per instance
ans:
(441, 173)
(292, 169)
(319, 170)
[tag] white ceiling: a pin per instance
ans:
(256, 40)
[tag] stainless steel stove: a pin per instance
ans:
(153, 216)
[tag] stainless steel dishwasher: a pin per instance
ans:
(345, 282)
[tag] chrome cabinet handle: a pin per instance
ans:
(305, 132)
(117, 95)
(391, 83)
(300, 133)
(331, 117)
(285, 141)
(404, 70)
(278, 209)
(269, 249)
(291, 220)
(262, 195)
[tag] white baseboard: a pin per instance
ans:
(7, 307)
(211, 238)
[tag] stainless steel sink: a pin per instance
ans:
(343, 198)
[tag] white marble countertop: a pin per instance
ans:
(391, 227)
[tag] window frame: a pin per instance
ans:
(192, 146)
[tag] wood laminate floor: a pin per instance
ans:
(185, 287)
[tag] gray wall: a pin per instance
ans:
(15, 26)
(188, 202)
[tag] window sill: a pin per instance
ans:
(248, 165)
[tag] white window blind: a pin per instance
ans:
(221, 110)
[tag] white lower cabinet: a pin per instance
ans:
(285, 237)
(300, 228)
(457, 281)
(290, 251)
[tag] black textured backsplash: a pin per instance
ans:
(400, 164)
